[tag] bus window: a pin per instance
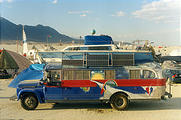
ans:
(76, 48)
(86, 74)
(100, 48)
(122, 74)
(148, 74)
(76, 75)
(109, 74)
(67, 75)
(134, 74)
(53, 77)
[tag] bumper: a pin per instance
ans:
(169, 95)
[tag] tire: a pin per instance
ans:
(29, 102)
(119, 102)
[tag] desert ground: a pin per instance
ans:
(169, 109)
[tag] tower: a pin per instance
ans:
(25, 46)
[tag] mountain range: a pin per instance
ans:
(38, 33)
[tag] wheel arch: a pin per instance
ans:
(116, 93)
(22, 93)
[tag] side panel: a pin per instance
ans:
(103, 89)
(80, 90)
(134, 88)
(53, 93)
(80, 93)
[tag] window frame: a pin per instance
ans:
(135, 70)
(73, 76)
(155, 75)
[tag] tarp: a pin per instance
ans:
(37, 66)
(34, 72)
(98, 40)
(7, 61)
(22, 61)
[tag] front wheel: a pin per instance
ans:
(119, 102)
(29, 102)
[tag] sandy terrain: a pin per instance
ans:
(139, 110)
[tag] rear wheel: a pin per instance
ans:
(29, 102)
(119, 102)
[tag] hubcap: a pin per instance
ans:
(29, 102)
(119, 102)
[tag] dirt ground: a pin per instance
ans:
(139, 110)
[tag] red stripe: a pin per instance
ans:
(142, 82)
(120, 82)
(76, 83)
(51, 85)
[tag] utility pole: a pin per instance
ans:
(47, 42)
(17, 44)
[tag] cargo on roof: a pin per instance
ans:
(98, 40)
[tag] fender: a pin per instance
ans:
(30, 91)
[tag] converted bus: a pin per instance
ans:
(114, 85)
(115, 77)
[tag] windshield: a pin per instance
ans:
(175, 71)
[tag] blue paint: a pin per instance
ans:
(72, 93)
(37, 91)
(35, 71)
(98, 40)
(53, 93)
(151, 90)
(133, 90)
(44, 93)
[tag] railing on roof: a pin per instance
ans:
(106, 59)
(98, 59)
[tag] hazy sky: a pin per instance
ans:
(124, 20)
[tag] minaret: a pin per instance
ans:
(25, 47)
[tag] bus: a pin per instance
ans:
(115, 85)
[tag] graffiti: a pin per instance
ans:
(149, 90)
(85, 89)
(97, 75)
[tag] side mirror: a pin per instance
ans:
(42, 81)
(59, 84)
